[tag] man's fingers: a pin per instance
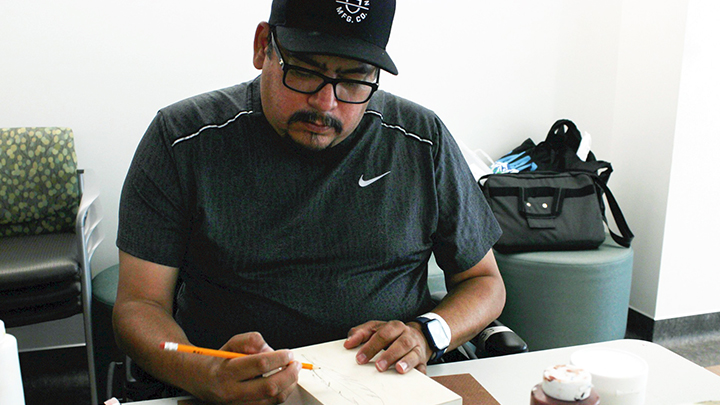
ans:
(361, 334)
(264, 363)
(275, 388)
(415, 358)
(248, 343)
(254, 365)
(381, 339)
(405, 348)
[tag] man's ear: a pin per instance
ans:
(262, 32)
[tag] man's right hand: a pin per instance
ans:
(240, 380)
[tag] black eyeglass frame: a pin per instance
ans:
(286, 67)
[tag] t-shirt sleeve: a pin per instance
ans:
(153, 223)
(467, 228)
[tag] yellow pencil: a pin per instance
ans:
(178, 347)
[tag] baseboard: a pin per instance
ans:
(640, 326)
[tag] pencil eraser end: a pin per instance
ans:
(169, 346)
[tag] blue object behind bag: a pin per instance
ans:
(514, 164)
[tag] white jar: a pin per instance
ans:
(11, 388)
(619, 377)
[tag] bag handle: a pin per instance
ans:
(558, 134)
(626, 236)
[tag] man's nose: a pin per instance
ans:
(324, 99)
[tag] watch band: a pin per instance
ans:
(432, 340)
(446, 327)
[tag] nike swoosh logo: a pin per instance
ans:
(364, 183)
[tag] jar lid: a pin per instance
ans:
(567, 383)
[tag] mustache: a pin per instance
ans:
(313, 117)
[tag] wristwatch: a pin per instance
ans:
(436, 331)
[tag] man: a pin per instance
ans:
(298, 208)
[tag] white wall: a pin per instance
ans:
(690, 234)
(104, 68)
(496, 72)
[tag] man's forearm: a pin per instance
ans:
(471, 306)
(140, 328)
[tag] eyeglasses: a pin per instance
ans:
(308, 81)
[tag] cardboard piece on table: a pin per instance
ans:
(465, 385)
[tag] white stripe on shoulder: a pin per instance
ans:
(398, 128)
(224, 124)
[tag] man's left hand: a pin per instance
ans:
(405, 345)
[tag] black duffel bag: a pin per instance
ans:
(560, 209)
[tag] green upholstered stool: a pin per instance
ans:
(104, 291)
(558, 299)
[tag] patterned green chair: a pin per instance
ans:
(48, 234)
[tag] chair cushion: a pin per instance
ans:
(105, 285)
(39, 278)
(39, 188)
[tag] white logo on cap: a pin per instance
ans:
(353, 11)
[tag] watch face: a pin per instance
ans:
(442, 340)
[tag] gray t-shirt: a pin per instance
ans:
(299, 245)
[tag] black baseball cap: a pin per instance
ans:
(356, 29)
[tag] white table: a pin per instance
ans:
(672, 380)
